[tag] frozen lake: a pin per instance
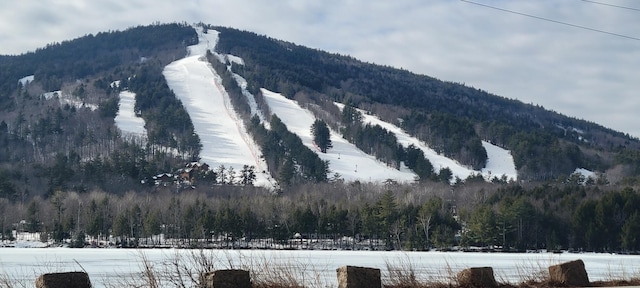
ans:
(317, 268)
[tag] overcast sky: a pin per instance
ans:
(575, 71)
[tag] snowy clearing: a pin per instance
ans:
(586, 173)
(67, 99)
(26, 79)
(126, 119)
(224, 139)
(344, 158)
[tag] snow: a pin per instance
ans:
(235, 59)
(499, 162)
(25, 80)
(222, 133)
(68, 99)
(115, 84)
(107, 266)
(586, 173)
(52, 94)
(126, 119)
(253, 105)
(344, 158)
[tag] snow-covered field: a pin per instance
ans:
(225, 141)
(106, 266)
(344, 158)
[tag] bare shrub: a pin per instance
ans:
(184, 267)
(402, 272)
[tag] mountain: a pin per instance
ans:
(113, 110)
(451, 118)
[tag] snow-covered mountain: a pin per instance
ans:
(58, 104)
(225, 141)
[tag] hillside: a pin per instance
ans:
(226, 143)
(450, 117)
(60, 117)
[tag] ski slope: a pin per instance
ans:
(126, 119)
(499, 162)
(225, 141)
(344, 158)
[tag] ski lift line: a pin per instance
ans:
(553, 21)
(612, 5)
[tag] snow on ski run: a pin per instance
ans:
(225, 141)
(344, 158)
(126, 119)
(499, 162)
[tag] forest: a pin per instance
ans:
(508, 217)
(73, 145)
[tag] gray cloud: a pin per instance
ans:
(580, 73)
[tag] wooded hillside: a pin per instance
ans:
(451, 117)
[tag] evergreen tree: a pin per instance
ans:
(321, 135)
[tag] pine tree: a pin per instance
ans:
(321, 135)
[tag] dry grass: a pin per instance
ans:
(184, 268)
(403, 273)
(8, 281)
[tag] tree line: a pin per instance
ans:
(506, 217)
(289, 160)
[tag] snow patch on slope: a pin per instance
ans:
(67, 99)
(224, 139)
(253, 105)
(344, 158)
(26, 80)
(235, 59)
(126, 119)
